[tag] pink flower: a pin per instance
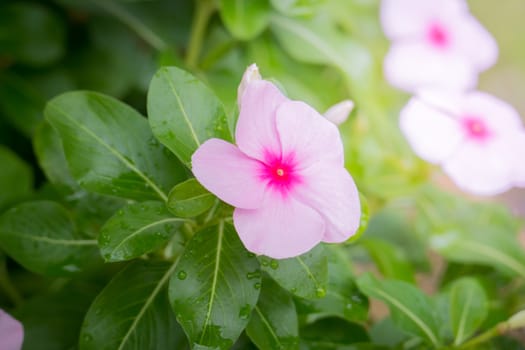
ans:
(478, 139)
(11, 332)
(286, 176)
(435, 43)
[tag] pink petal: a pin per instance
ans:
(250, 75)
(306, 136)
(11, 332)
(402, 19)
(339, 112)
(483, 168)
(519, 151)
(255, 134)
(473, 41)
(432, 133)
(331, 191)
(229, 174)
(412, 66)
(281, 228)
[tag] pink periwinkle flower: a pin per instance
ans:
(478, 139)
(285, 176)
(435, 43)
(11, 332)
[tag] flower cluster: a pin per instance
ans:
(438, 49)
(285, 176)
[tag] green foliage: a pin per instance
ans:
(189, 199)
(245, 19)
(16, 179)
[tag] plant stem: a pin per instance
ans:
(5, 284)
(203, 11)
(495, 331)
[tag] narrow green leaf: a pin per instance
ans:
(41, 237)
(189, 199)
(132, 312)
(245, 19)
(468, 308)
(499, 251)
(343, 298)
(274, 324)
(411, 310)
(183, 112)
(305, 276)
(16, 178)
(137, 229)
(389, 259)
(215, 287)
(332, 333)
(109, 147)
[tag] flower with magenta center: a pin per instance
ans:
(435, 43)
(285, 177)
(476, 138)
(11, 332)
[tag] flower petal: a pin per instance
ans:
(432, 133)
(484, 169)
(229, 174)
(403, 19)
(281, 228)
(11, 332)
(339, 112)
(519, 149)
(306, 136)
(412, 66)
(331, 191)
(255, 133)
(473, 41)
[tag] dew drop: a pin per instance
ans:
(245, 311)
(251, 255)
(264, 262)
(274, 264)
(88, 338)
(252, 275)
(320, 292)
(257, 285)
(182, 275)
(293, 290)
(98, 311)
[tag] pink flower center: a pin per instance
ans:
(438, 36)
(476, 129)
(280, 174)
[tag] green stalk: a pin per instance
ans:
(203, 11)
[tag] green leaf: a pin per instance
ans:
(343, 298)
(132, 312)
(16, 178)
(41, 237)
(137, 229)
(305, 276)
(274, 324)
(245, 19)
(332, 333)
(390, 260)
(31, 34)
(53, 320)
(411, 310)
(502, 252)
(215, 287)
(189, 199)
(183, 112)
(51, 157)
(109, 147)
(468, 308)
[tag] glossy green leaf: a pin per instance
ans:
(183, 112)
(468, 308)
(390, 260)
(215, 287)
(42, 238)
(31, 33)
(110, 149)
(274, 324)
(410, 309)
(16, 178)
(133, 312)
(51, 157)
(189, 199)
(245, 19)
(305, 276)
(343, 298)
(332, 333)
(137, 229)
(502, 252)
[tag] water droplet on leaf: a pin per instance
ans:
(182, 275)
